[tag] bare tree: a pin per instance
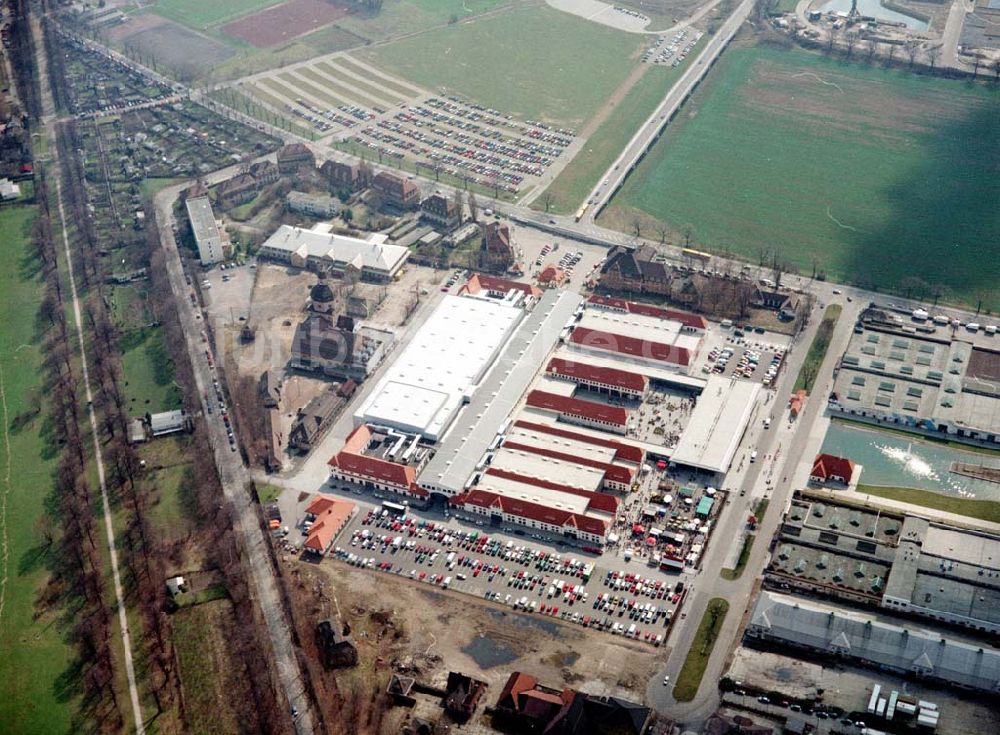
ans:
(473, 207)
(912, 47)
(933, 55)
(636, 223)
(850, 40)
(661, 233)
(892, 53)
(457, 199)
(871, 45)
(976, 61)
(547, 198)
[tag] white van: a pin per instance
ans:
(753, 456)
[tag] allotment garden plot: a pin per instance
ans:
(380, 116)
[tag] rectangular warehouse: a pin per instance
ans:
(448, 356)
(717, 424)
(207, 236)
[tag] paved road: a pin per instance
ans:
(234, 476)
(792, 440)
(654, 125)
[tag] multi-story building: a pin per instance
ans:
(441, 211)
(293, 157)
(396, 191)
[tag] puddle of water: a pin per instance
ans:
(894, 460)
(488, 653)
(784, 674)
(875, 9)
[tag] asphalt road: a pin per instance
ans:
(654, 125)
(234, 475)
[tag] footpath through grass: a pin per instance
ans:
(818, 348)
(860, 170)
(37, 694)
(689, 679)
(575, 182)
(984, 510)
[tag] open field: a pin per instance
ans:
(200, 15)
(818, 348)
(984, 510)
(534, 63)
(865, 171)
(147, 375)
(181, 50)
(286, 21)
(577, 180)
(398, 17)
(689, 679)
(34, 667)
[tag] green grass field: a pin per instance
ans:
(407, 16)
(148, 375)
(576, 181)
(199, 15)
(883, 177)
(817, 350)
(689, 679)
(534, 63)
(35, 696)
(984, 510)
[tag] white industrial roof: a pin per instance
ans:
(561, 444)
(446, 358)
(718, 421)
(533, 494)
(206, 230)
(319, 242)
(548, 468)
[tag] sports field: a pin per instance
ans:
(533, 62)
(37, 694)
(883, 177)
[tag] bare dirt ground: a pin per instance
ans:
(443, 631)
(284, 22)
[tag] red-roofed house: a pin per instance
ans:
(329, 516)
(609, 380)
(531, 707)
(623, 452)
(658, 352)
(496, 253)
(828, 468)
(480, 284)
(689, 322)
(352, 466)
(396, 190)
(551, 277)
(574, 410)
(533, 515)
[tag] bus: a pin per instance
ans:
(580, 212)
(696, 255)
(394, 508)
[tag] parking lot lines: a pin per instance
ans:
(379, 91)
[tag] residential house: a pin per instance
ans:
(336, 649)
(313, 420)
(463, 694)
(551, 277)
(293, 157)
(635, 270)
(264, 173)
(396, 191)
(313, 205)
(168, 422)
(829, 468)
(342, 175)
(238, 190)
(496, 253)
(328, 516)
(441, 211)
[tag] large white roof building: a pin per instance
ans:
(319, 247)
(717, 424)
(438, 371)
(207, 236)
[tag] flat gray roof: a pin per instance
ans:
(492, 403)
(718, 421)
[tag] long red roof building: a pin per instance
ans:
(593, 374)
(631, 346)
(691, 321)
(589, 410)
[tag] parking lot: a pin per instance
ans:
(745, 352)
(572, 588)
(673, 50)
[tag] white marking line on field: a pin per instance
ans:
(838, 222)
(819, 79)
(6, 492)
